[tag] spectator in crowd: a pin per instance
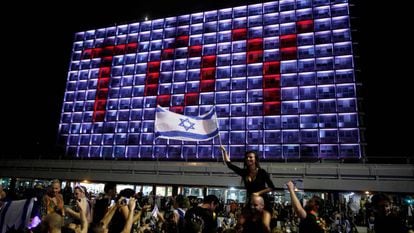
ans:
(80, 193)
(121, 216)
(53, 199)
(256, 219)
(101, 205)
(2, 196)
(310, 221)
(67, 194)
(54, 223)
(202, 218)
(385, 220)
(253, 176)
(2, 193)
(181, 204)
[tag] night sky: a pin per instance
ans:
(38, 37)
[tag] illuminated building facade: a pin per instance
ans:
(280, 75)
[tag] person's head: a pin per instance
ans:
(211, 202)
(181, 202)
(251, 158)
(79, 192)
(110, 189)
(55, 185)
(257, 204)
(53, 221)
(127, 193)
(314, 204)
(382, 204)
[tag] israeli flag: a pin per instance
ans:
(15, 215)
(171, 125)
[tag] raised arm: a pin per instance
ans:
(226, 159)
(130, 218)
(266, 221)
(295, 201)
(83, 205)
(108, 216)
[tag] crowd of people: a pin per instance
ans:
(130, 212)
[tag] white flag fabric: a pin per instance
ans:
(15, 214)
(155, 211)
(172, 125)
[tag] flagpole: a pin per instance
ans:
(221, 144)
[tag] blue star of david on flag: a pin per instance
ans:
(187, 124)
(171, 125)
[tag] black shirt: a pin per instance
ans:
(259, 183)
(310, 224)
(387, 224)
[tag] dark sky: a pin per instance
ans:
(37, 42)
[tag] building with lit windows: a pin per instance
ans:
(280, 75)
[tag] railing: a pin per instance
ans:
(316, 176)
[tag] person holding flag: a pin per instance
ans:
(256, 180)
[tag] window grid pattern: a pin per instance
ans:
(280, 75)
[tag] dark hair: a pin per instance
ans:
(109, 186)
(127, 193)
(211, 198)
(256, 158)
(314, 201)
(182, 201)
(379, 197)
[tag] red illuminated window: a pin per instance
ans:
(304, 26)
(208, 73)
(182, 41)
(163, 100)
(97, 52)
(207, 85)
(102, 94)
(152, 78)
(177, 109)
(271, 94)
(289, 53)
(108, 51)
(209, 61)
(271, 68)
(253, 57)
(98, 116)
(167, 54)
(132, 48)
(191, 99)
(106, 61)
(288, 41)
(271, 108)
(151, 90)
(87, 54)
(255, 44)
(271, 81)
(119, 49)
(239, 34)
(153, 66)
(104, 72)
(100, 105)
(103, 83)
